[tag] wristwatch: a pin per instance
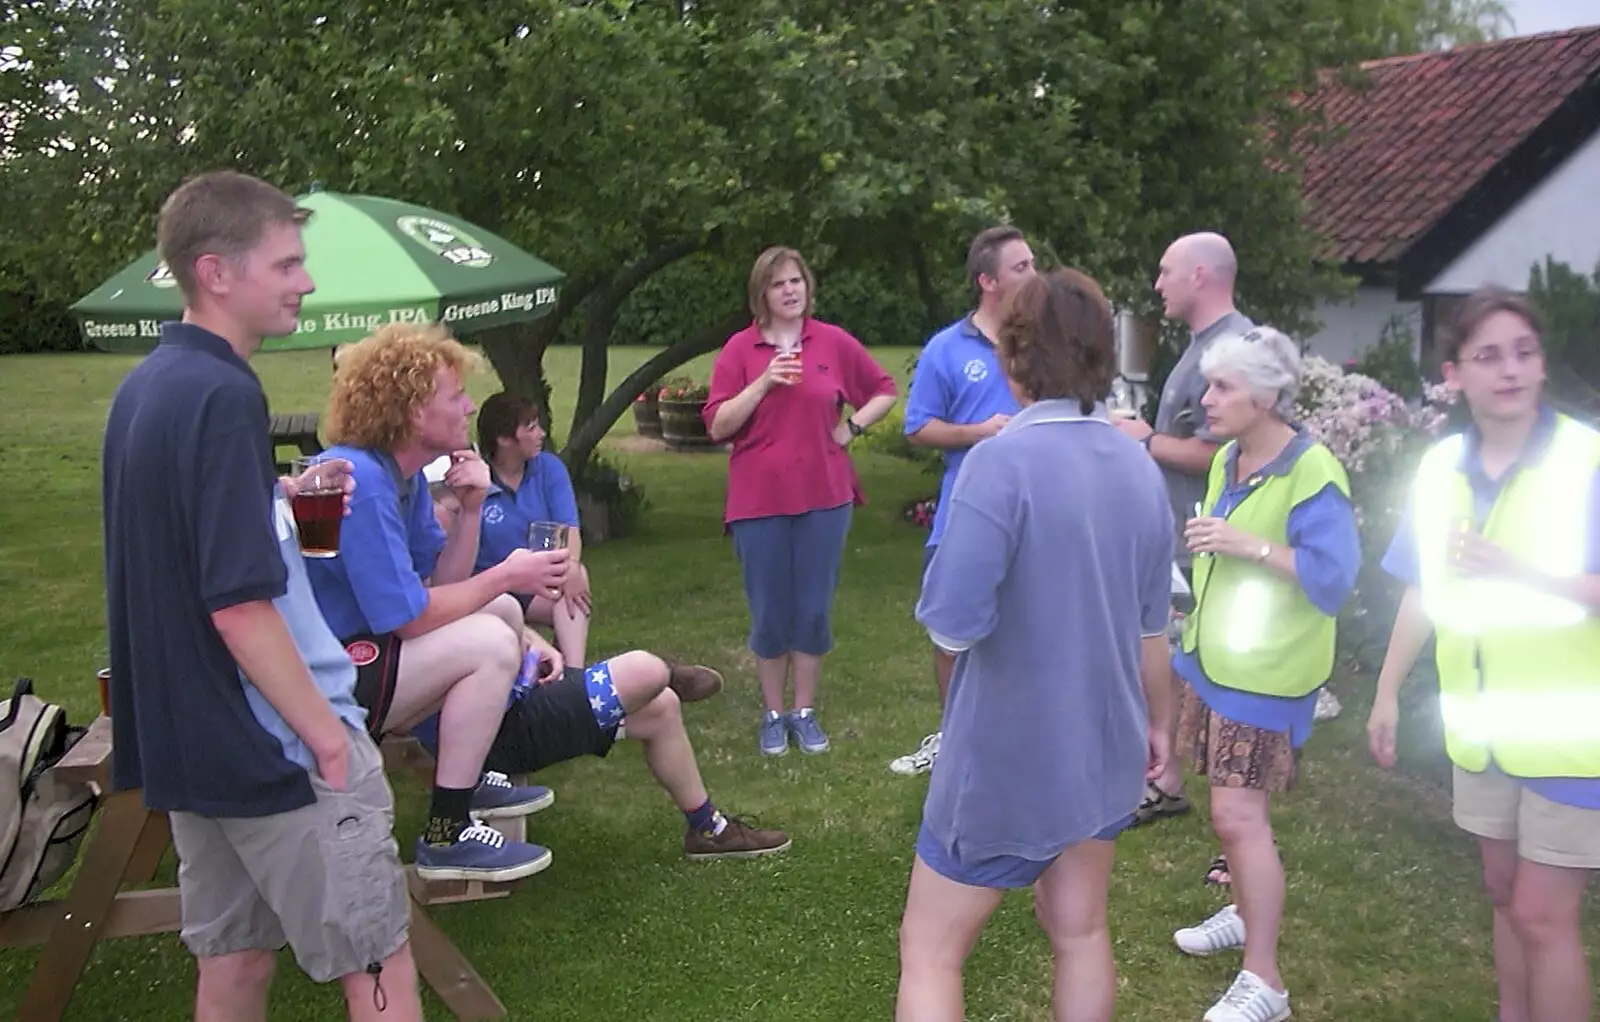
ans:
(855, 430)
(1265, 552)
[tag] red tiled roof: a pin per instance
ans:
(1409, 143)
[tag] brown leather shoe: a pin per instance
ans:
(738, 840)
(693, 682)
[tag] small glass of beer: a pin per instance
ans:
(547, 536)
(318, 509)
(103, 676)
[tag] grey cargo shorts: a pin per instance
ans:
(325, 879)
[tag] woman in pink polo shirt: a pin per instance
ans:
(778, 391)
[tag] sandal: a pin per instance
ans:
(1217, 874)
(1158, 804)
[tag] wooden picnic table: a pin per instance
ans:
(295, 429)
(127, 847)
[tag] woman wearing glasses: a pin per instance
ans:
(1276, 555)
(1500, 553)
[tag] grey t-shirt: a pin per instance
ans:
(1180, 415)
(1056, 560)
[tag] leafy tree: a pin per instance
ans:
(641, 145)
(1569, 303)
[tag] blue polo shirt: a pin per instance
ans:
(388, 544)
(544, 496)
(191, 528)
(1402, 561)
(959, 381)
(1327, 557)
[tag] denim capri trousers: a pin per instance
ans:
(791, 568)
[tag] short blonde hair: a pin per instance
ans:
(223, 213)
(765, 268)
(381, 382)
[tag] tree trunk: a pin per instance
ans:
(587, 435)
(932, 301)
(604, 307)
(517, 350)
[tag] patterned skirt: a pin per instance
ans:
(1234, 755)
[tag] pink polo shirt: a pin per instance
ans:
(784, 460)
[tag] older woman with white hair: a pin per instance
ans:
(1276, 557)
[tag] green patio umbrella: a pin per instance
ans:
(374, 261)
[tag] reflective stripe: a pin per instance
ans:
(1499, 716)
(1557, 546)
(1249, 616)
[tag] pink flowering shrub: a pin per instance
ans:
(1359, 419)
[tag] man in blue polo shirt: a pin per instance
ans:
(405, 586)
(453, 648)
(959, 396)
(234, 704)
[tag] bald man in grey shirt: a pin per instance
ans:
(1196, 286)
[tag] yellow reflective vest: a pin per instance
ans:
(1519, 668)
(1255, 630)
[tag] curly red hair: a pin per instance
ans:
(380, 382)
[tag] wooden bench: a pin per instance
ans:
(297, 430)
(127, 847)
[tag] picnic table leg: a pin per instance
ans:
(153, 843)
(448, 972)
(105, 864)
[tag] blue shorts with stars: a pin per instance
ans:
(604, 702)
(577, 714)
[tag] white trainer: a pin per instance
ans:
(1328, 705)
(1222, 932)
(919, 762)
(1250, 1000)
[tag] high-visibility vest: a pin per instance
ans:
(1251, 628)
(1519, 668)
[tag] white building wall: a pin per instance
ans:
(1353, 325)
(1560, 218)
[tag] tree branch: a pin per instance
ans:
(604, 308)
(587, 436)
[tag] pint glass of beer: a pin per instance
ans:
(318, 510)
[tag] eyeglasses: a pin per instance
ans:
(1494, 358)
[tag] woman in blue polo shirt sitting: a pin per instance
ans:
(528, 484)
(1276, 555)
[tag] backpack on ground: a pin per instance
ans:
(43, 819)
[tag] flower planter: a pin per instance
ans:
(681, 425)
(647, 417)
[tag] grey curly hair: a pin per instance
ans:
(1268, 361)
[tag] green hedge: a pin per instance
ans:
(28, 324)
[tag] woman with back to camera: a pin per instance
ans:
(1054, 721)
(1276, 555)
(778, 391)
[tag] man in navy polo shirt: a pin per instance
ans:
(960, 396)
(234, 704)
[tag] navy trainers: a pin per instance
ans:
(774, 734)
(480, 853)
(496, 798)
(807, 732)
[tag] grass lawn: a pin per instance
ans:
(1385, 920)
